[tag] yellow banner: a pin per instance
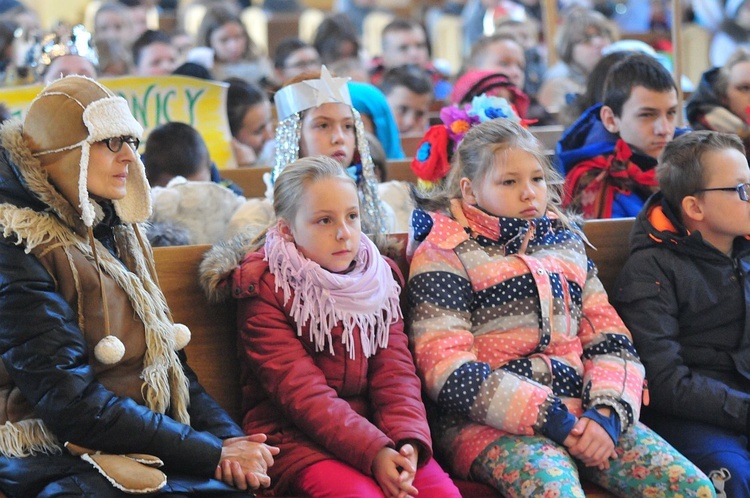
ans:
(155, 101)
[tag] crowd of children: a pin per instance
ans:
(504, 363)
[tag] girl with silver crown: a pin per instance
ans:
(316, 117)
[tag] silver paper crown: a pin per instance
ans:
(53, 45)
(311, 93)
(290, 102)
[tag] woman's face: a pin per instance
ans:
(328, 130)
(738, 89)
(229, 42)
(108, 171)
(256, 126)
(587, 52)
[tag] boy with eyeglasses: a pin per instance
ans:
(684, 293)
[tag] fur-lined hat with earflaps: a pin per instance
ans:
(75, 112)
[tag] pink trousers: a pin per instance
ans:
(332, 478)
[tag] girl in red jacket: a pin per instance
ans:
(327, 372)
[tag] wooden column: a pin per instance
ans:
(677, 56)
(549, 17)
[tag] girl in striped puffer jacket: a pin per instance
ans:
(533, 376)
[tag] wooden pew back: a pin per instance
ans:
(400, 169)
(250, 180)
(212, 351)
(611, 241)
(548, 135)
(410, 144)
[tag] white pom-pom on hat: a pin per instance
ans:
(181, 336)
(109, 350)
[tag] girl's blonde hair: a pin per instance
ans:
(294, 179)
(289, 188)
(475, 159)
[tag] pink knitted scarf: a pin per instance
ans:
(365, 298)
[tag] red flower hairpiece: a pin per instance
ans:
(431, 162)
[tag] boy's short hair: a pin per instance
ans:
(680, 171)
(413, 77)
(480, 46)
(149, 37)
(174, 149)
(285, 48)
(332, 33)
(635, 70)
(400, 24)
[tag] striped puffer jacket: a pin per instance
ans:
(504, 324)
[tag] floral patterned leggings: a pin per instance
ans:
(646, 465)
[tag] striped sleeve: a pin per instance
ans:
(613, 373)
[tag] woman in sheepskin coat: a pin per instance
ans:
(91, 368)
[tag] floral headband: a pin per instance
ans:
(433, 159)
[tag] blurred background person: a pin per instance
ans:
(114, 21)
(294, 57)
(579, 43)
(336, 38)
(154, 54)
(114, 59)
(251, 123)
(409, 92)
(234, 52)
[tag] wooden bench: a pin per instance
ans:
(212, 351)
(250, 180)
(548, 135)
(400, 170)
(410, 144)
